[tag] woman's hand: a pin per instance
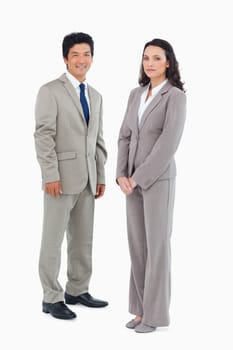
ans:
(132, 182)
(125, 185)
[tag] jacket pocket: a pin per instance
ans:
(66, 155)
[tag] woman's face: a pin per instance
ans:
(155, 63)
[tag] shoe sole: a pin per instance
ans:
(82, 303)
(46, 311)
(71, 301)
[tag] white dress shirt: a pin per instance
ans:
(144, 103)
(75, 82)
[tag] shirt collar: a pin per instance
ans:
(156, 89)
(75, 82)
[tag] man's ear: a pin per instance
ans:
(66, 62)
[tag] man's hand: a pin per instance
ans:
(53, 188)
(125, 185)
(100, 189)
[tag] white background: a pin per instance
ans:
(30, 39)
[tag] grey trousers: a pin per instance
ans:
(72, 214)
(149, 224)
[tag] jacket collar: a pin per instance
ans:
(155, 101)
(73, 94)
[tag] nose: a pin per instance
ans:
(150, 63)
(81, 59)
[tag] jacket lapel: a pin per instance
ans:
(135, 108)
(154, 103)
(92, 104)
(72, 93)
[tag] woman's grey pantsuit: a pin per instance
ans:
(146, 153)
(149, 223)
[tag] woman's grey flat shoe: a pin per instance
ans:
(144, 328)
(133, 323)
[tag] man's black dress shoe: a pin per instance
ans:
(58, 310)
(85, 299)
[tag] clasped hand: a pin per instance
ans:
(126, 184)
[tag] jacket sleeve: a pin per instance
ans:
(166, 145)
(123, 144)
(101, 152)
(45, 132)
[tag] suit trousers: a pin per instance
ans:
(73, 214)
(149, 225)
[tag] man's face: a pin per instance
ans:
(79, 60)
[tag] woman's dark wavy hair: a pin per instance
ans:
(172, 72)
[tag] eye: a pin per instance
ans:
(145, 58)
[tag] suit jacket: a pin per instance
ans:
(146, 153)
(68, 150)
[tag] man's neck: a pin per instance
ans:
(81, 79)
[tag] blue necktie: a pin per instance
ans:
(84, 103)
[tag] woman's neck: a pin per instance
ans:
(156, 82)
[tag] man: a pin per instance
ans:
(71, 153)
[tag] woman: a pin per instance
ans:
(146, 170)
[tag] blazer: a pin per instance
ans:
(146, 153)
(67, 149)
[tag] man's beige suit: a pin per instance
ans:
(146, 153)
(71, 152)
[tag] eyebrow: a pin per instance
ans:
(73, 52)
(157, 55)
